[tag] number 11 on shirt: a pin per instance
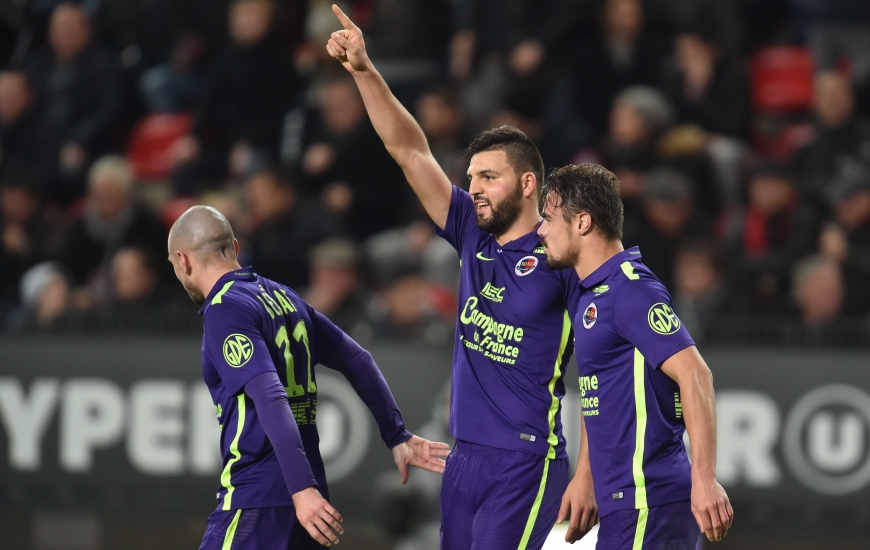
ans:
(300, 334)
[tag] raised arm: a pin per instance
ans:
(710, 504)
(402, 136)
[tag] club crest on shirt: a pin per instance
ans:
(238, 350)
(590, 316)
(526, 265)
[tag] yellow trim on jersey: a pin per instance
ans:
(226, 475)
(218, 298)
(557, 373)
(640, 430)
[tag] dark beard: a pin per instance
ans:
(566, 261)
(504, 215)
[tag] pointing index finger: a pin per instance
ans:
(345, 20)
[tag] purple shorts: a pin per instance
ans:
(256, 529)
(666, 527)
(493, 499)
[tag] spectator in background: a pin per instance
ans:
(111, 219)
(638, 118)
(841, 135)
(528, 50)
(335, 287)
(45, 297)
(624, 53)
(79, 100)
(250, 88)
(700, 291)
(442, 118)
(707, 86)
(840, 29)
(135, 278)
(284, 228)
(20, 141)
(768, 235)
(346, 164)
(411, 250)
(818, 290)
(668, 219)
(847, 239)
(408, 39)
(28, 237)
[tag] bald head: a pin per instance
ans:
(204, 232)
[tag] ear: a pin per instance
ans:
(529, 183)
(185, 263)
(583, 223)
(236, 247)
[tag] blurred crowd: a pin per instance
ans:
(740, 130)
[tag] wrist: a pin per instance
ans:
(703, 473)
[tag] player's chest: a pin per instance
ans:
(511, 283)
(597, 342)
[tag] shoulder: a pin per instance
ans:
(635, 282)
(234, 299)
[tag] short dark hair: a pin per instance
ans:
(589, 188)
(521, 152)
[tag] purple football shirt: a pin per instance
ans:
(513, 338)
(253, 326)
(626, 327)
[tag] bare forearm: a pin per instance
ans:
(584, 467)
(400, 133)
(699, 411)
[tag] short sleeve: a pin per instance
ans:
(461, 220)
(235, 345)
(645, 316)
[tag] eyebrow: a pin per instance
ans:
(483, 171)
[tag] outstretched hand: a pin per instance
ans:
(421, 453)
(347, 45)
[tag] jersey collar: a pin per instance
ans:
(610, 266)
(526, 243)
(243, 274)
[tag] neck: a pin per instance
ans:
(209, 276)
(525, 223)
(594, 254)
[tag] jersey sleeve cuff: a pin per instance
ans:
(398, 439)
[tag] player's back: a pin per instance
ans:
(253, 325)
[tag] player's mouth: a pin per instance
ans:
(482, 206)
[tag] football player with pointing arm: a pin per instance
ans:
(505, 479)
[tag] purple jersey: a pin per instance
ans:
(626, 327)
(513, 339)
(254, 326)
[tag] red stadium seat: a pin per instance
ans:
(782, 79)
(151, 144)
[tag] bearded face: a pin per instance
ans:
(502, 214)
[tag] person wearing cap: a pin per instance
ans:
(668, 218)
